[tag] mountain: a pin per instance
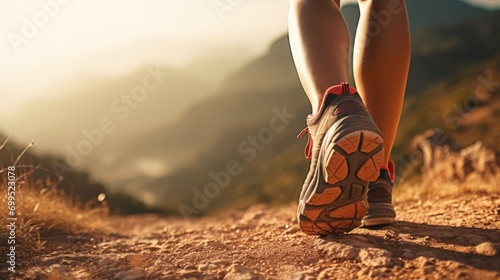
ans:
(242, 102)
(76, 106)
(440, 50)
(79, 107)
(214, 130)
(463, 59)
(426, 13)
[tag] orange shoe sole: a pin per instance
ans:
(338, 202)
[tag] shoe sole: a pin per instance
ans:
(379, 214)
(348, 164)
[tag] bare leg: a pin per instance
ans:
(317, 34)
(381, 62)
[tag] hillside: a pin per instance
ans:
(53, 173)
(441, 51)
(465, 102)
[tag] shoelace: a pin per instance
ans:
(309, 145)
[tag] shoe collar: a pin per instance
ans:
(342, 88)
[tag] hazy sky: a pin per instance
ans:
(47, 41)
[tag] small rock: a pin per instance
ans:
(120, 275)
(407, 254)
(59, 268)
(426, 265)
(337, 250)
(203, 267)
(487, 249)
(134, 274)
(376, 273)
(190, 267)
(110, 271)
(238, 272)
(252, 216)
(104, 262)
(375, 257)
(189, 274)
(391, 234)
(220, 262)
(461, 275)
(214, 244)
(167, 277)
(292, 230)
(427, 254)
(296, 276)
(428, 269)
(329, 273)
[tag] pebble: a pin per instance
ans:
(338, 251)
(329, 273)
(190, 267)
(427, 265)
(407, 254)
(167, 277)
(189, 273)
(474, 239)
(59, 268)
(428, 269)
(104, 262)
(375, 257)
(292, 230)
(487, 249)
(214, 244)
(238, 272)
(220, 262)
(135, 274)
(120, 275)
(376, 273)
(203, 267)
(296, 276)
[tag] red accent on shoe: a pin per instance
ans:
(343, 88)
(391, 169)
(308, 148)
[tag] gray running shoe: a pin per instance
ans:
(346, 151)
(380, 209)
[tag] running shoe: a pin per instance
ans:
(380, 209)
(346, 151)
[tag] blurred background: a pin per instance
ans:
(154, 103)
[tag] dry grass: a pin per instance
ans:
(43, 210)
(417, 189)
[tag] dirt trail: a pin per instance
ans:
(448, 238)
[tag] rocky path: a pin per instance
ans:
(448, 238)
